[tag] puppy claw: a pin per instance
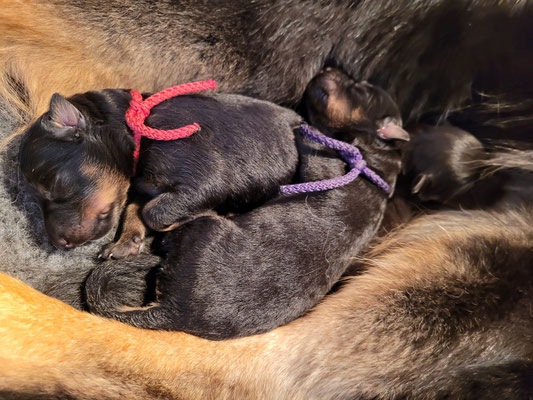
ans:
(122, 249)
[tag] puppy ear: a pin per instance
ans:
(63, 119)
(391, 129)
(419, 182)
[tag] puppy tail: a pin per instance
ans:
(120, 290)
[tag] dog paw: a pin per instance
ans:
(123, 248)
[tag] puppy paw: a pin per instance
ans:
(123, 248)
(157, 217)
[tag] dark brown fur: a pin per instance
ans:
(427, 51)
(78, 159)
(448, 166)
(427, 54)
(252, 272)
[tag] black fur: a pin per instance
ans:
(445, 165)
(52, 164)
(448, 166)
(243, 152)
(249, 273)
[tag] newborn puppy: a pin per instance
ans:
(249, 273)
(79, 159)
(446, 165)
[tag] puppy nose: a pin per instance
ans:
(64, 243)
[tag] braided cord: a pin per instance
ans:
(139, 110)
(349, 153)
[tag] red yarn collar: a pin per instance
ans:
(139, 110)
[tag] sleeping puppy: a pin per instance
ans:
(447, 165)
(249, 273)
(79, 159)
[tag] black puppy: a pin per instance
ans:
(79, 159)
(249, 273)
(448, 165)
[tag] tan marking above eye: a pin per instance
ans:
(110, 189)
(340, 114)
(357, 114)
(337, 111)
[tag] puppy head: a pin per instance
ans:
(442, 163)
(337, 104)
(67, 162)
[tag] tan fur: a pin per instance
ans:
(359, 340)
(93, 357)
(340, 113)
(357, 114)
(111, 188)
(133, 223)
(41, 52)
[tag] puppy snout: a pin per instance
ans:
(65, 237)
(62, 242)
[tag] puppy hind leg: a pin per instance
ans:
(121, 298)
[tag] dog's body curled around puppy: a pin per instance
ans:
(252, 272)
(378, 343)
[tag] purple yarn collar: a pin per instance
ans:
(349, 153)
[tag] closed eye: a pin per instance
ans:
(60, 200)
(322, 95)
(104, 214)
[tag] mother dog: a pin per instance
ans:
(426, 54)
(443, 313)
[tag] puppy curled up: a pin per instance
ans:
(449, 166)
(444, 165)
(78, 158)
(452, 291)
(251, 272)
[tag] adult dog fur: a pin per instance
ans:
(430, 319)
(427, 54)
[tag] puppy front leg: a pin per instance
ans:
(131, 239)
(169, 210)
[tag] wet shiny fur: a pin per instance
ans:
(78, 159)
(249, 273)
